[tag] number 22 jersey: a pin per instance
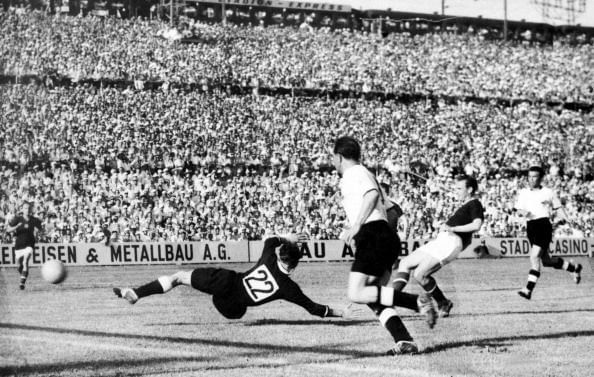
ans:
(266, 282)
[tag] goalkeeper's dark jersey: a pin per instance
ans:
(266, 282)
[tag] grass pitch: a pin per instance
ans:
(79, 328)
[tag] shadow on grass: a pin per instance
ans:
(366, 321)
(519, 312)
(265, 322)
(199, 371)
(262, 347)
(504, 340)
(95, 365)
(262, 350)
(271, 321)
(339, 354)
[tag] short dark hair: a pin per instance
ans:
(537, 169)
(470, 182)
(348, 147)
(290, 254)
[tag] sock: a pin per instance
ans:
(24, 275)
(376, 308)
(161, 285)
(401, 280)
(433, 290)
(564, 265)
(390, 320)
(533, 276)
(388, 296)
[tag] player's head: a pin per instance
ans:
(466, 186)
(289, 254)
(27, 208)
(345, 148)
(535, 175)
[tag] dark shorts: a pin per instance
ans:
(219, 283)
(228, 308)
(214, 281)
(377, 248)
(540, 232)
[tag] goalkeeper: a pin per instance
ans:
(233, 292)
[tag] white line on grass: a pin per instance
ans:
(104, 345)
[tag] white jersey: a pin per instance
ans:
(538, 202)
(355, 183)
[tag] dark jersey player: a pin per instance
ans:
(455, 236)
(233, 292)
(24, 227)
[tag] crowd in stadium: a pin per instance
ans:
(140, 165)
(449, 64)
(162, 165)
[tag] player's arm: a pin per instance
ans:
(39, 226)
(519, 207)
(521, 212)
(557, 206)
(370, 199)
(564, 218)
(295, 295)
(350, 311)
(275, 241)
(12, 228)
(271, 243)
(474, 226)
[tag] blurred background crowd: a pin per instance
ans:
(440, 63)
(144, 165)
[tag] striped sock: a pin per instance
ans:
(433, 290)
(567, 266)
(533, 276)
(376, 308)
(400, 280)
(390, 320)
(388, 296)
(24, 276)
(161, 285)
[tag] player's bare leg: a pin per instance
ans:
(364, 289)
(422, 274)
(24, 270)
(535, 256)
(405, 267)
(363, 292)
(161, 285)
(20, 263)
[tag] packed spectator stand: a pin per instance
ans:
(111, 153)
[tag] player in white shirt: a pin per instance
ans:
(376, 247)
(536, 203)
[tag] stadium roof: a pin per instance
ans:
(535, 11)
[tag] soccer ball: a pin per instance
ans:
(53, 271)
